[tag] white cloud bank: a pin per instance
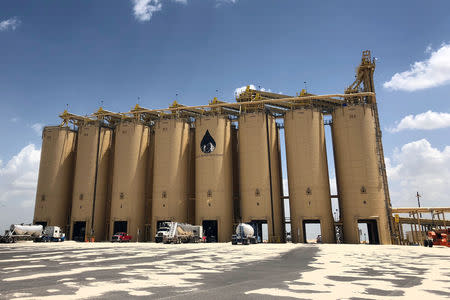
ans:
(242, 89)
(9, 24)
(18, 181)
(426, 121)
(432, 72)
(418, 167)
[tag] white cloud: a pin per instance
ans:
(18, 181)
(37, 127)
(242, 89)
(8, 24)
(418, 167)
(144, 9)
(427, 121)
(432, 72)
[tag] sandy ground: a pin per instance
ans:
(72, 270)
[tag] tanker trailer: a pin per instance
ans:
(21, 232)
(174, 232)
(245, 234)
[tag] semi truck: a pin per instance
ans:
(174, 232)
(51, 234)
(21, 232)
(245, 235)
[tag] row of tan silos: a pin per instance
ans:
(358, 172)
(178, 173)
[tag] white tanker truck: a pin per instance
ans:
(245, 234)
(21, 232)
(174, 232)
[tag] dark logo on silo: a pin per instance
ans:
(208, 144)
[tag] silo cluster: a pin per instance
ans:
(220, 164)
(216, 171)
(358, 174)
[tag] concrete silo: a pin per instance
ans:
(129, 179)
(309, 186)
(54, 189)
(170, 201)
(214, 177)
(259, 174)
(359, 176)
(91, 181)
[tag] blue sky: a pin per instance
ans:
(54, 53)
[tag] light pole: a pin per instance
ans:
(418, 201)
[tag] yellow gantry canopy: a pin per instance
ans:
(280, 102)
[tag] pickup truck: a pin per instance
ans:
(121, 237)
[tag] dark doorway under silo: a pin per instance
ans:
(79, 231)
(368, 231)
(120, 226)
(210, 230)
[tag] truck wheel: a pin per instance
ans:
(425, 243)
(430, 244)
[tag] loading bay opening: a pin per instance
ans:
(368, 231)
(261, 230)
(79, 231)
(311, 231)
(210, 230)
(120, 226)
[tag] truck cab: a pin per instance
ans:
(163, 233)
(121, 237)
(51, 234)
